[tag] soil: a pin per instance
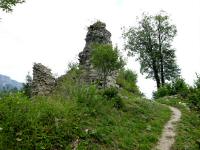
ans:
(169, 132)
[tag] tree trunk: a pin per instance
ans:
(154, 66)
(161, 55)
(162, 71)
(156, 76)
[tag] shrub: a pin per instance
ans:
(194, 95)
(177, 87)
(118, 102)
(112, 95)
(162, 91)
(106, 59)
(127, 79)
(130, 76)
(194, 100)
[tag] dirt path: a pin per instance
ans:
(168, 135)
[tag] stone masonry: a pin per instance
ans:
(97, 33)
(43, 81)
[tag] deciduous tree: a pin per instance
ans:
(151, 42)
(7, 5)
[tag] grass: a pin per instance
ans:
(88, 121)
(80, 117)
(188, 129)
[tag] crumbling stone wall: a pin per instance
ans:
(43, 81)
(97, 33)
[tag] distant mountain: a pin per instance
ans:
(6, 83)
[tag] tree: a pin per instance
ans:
(151, 42)
(197, 81)
(106, 60)
(27, 86)
(6, 5)
(165, 33)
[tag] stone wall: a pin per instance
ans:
(97, 33)
(43, 81)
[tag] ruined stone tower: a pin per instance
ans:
(43, 80)
(97, 33)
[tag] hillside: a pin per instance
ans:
(97, 104)
(81, 120)
(78, 116)
(6, 83)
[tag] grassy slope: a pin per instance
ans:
(188, 130)
(79, 117)
(53, 123)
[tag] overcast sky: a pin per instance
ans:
(53, 31)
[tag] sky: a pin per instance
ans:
(53, 33)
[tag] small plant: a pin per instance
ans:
(162, 91)
(127, 79)
(105, 60)
(177, 87)
(110, 93)
(194, 100)
(194, 95)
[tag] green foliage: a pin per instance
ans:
(113, 95)
(180, 87)
(106, 60)
(197, 82)
(151, 42)
(165, 90)
(194, 95)
(194, 99)
(6, 5)
(127, 79)
(68, 83)
(27, 86)
(177, 87)
(39, 124)
(81, 116)
(110, 93)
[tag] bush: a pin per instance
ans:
(127, 79)
(194, 100)
(162, 91)
(194, 95)
(112, 95)
(177, 87)
(106, 59)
